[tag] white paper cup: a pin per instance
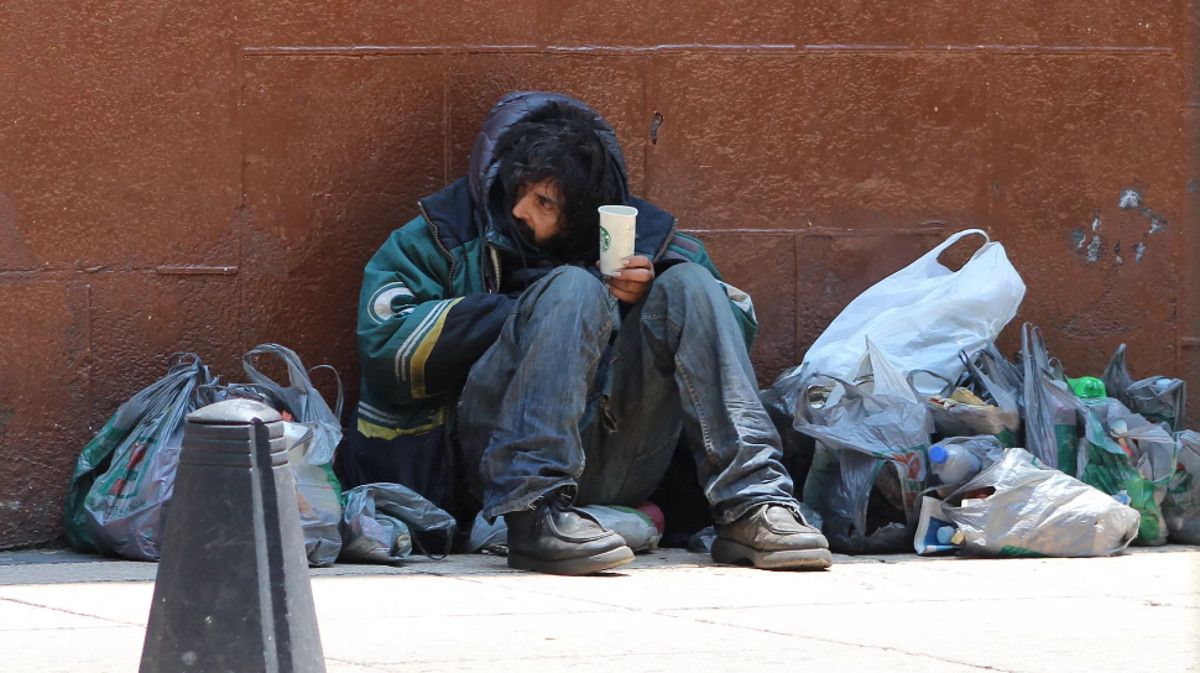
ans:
(618, 231)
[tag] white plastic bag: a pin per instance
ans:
(923, 315)
(1038, 511)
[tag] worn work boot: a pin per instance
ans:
(773, 538)
(556, 538)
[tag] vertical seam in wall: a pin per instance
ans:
(1187, 60)
(242, 220)
(645, 129)
(447, 64)
(797, 354)
(650, 67)
(89, 393)
(989, 145)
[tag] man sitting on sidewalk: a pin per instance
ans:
(486, 315)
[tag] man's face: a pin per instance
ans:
(540, 207)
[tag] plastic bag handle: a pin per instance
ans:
(933, 254)
(948, 388)
(341, 393)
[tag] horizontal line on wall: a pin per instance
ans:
(829, 232)
(993, 48)
(196, 270)
(381, 50)
(66, 273)
(400, 50)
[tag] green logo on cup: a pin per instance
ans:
(605, 241)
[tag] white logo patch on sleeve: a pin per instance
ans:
(380, 306)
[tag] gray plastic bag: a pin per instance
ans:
(1051, 409)
(1036, 510)
(1181, 507)
(790, 397)
(318, 499)
(1158, 398)
(318, 493)
(870, 444)
(379, 521)
(127, 491)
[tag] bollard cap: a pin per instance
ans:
(235, 412)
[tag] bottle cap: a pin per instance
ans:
(938, 454)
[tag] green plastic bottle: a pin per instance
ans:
(1088, 387)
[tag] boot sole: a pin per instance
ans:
(588, 565)
(733, 553)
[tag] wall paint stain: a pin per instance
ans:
(1093, 249)
(1130, 199)
(1078, 238)
(1139, 251)
(1117, 254)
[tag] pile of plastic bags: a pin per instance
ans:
(125, 476)
(917, 433)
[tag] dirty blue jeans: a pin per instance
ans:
(558, 401)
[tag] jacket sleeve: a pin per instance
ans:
(688, 248)
(416, 340)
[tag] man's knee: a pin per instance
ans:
(571, 287)
(687, 282)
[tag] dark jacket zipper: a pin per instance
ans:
(437, 238)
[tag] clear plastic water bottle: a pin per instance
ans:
(953, 465)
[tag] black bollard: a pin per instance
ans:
(232, 592)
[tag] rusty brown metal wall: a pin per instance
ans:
(209, 175)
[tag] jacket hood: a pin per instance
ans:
(511, 110)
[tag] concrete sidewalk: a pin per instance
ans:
(669, 611)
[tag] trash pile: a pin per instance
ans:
(918, 434)
(124, 478)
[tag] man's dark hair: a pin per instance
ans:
(561, 143)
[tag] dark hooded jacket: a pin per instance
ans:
(431, 305)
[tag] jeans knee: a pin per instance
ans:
(688, 281)
(573, 286)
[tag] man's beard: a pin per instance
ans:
(549, 245)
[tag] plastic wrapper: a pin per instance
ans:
(1036, 510)
(379, 522)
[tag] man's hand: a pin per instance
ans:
(632, 282)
